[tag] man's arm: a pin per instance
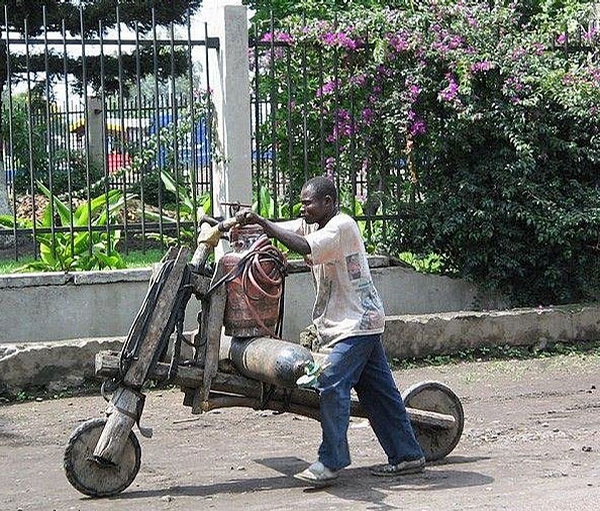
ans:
(295, 242)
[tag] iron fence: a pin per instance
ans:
(120, 110)
(302, 127)
(296, 137)
(131, 111)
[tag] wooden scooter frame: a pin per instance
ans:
(103, 455)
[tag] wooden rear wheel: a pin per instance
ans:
(434, 396)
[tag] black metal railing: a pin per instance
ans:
(297, 134)
(117, 108)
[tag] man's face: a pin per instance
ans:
(313, 209)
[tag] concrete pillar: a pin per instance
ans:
(95, 128)
(229, 81)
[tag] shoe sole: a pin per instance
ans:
(407, 471)
(317, 483)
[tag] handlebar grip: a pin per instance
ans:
(227, 224)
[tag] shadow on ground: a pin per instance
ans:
(354, 484)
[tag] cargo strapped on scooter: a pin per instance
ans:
(256, 283)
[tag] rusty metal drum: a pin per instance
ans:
(255, 269)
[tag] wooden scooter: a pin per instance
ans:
(103, 455)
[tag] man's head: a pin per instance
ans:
(319, 200)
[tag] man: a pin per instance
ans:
(349, 320)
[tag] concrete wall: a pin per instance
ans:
(452, 332)
(53, 325)
(49, 307)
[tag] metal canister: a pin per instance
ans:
(255, 284)
(269, 360)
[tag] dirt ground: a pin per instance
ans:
(531, 442)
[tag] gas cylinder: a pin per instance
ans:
(255, 271)
(268, 360)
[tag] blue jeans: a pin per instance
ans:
(360, 362)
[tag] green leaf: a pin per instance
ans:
(59, 207)
(179, 190)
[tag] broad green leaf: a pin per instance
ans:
(62, 209)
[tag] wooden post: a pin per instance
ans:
(212, 325)
(124, 409)
(137, 372)
(126, 404)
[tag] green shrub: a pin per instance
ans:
(86, 247)
(469, 123)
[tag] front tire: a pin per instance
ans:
(92, 477)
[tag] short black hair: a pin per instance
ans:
(322, 186)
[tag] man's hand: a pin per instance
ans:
(291, 240)
(247, 216)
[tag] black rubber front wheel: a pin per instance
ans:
(92, 477)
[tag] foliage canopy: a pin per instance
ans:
(487, 112)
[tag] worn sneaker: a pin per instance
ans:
(402, 468)
(318, 475)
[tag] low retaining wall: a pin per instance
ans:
(42, 307)
(58, 365)
(52, 325)
(52, 366)
(452, 332)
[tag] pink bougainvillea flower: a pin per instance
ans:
(590, 34)
(418, 127)
(483, 65)
(343, 126)
(449, 93)
(327, 88)
(340, 39)
(413, 92)
(358, 79)
(399, 41)
(472, 21)
(282, 37)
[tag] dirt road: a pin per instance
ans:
(531, 442)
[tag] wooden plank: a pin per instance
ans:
(200, 284)
(138, 323)
(107, 364)
(137, 372)
(211, 328)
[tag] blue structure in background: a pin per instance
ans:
(201, 151)
(10, 176)
(186, 154)
(265, 154)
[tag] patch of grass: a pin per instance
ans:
(139, 259)
(134, 259)
(505, 352)
(10, 265)
(90, 387)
